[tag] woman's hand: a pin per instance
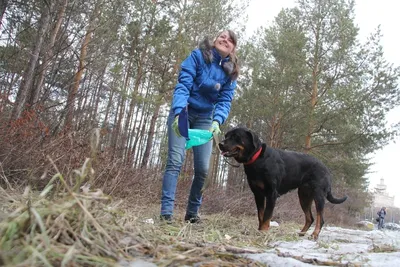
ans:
(175, 126)
(215, 128)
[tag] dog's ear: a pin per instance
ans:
(254, 140)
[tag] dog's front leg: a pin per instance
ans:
(260, 202)
(269, 208)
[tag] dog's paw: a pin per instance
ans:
(302, 233)
(313, 236)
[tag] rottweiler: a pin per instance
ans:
(273, 172)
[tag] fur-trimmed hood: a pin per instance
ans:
(210, 54)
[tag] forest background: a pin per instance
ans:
(90, 82)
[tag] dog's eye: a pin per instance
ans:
(229, 137)
(237, 139)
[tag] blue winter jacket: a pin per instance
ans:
(204, 86)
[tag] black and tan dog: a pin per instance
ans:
(274, 172)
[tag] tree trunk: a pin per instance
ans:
(34, 95)
(312, 110)
(314, 90)
(109, 103)
(132, 157)
(117, 128)
(81, 66)
(84, 102)
(130, 63)
(138, 80)
(274, 136)
(3, 7)
(314, 94)
(131, 138)
(150, 135)
(95, 109)
(212, 178)
(140, 140)
(27, 78)
(4, 99)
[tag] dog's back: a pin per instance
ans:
(292, 169)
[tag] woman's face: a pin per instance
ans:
(224, 44)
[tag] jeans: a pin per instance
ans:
(380, 223)
(175, 158)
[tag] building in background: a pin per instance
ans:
(381, 196)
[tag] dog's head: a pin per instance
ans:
(239, 143)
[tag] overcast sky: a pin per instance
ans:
(369, 14)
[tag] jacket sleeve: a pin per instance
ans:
(186, 78)
(223, 105)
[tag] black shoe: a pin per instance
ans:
(166, 218)
(192, 218)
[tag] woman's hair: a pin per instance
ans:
(232, 68)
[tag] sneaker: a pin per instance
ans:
(192, 218)
(166, 218)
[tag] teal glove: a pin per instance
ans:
(215, 128)
(175, 126)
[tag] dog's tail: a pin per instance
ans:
(334, 200)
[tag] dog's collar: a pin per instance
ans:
(254, 157)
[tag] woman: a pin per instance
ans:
(381, 217)
(206, 85)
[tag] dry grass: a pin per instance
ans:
(62, 223)
(63, 226)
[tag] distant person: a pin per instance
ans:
(381, 217)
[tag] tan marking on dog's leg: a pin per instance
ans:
(260, 218)
(265, 226)
(307, 224)
(317, 226)
(305, 202)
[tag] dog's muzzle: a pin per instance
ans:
(228, 151)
